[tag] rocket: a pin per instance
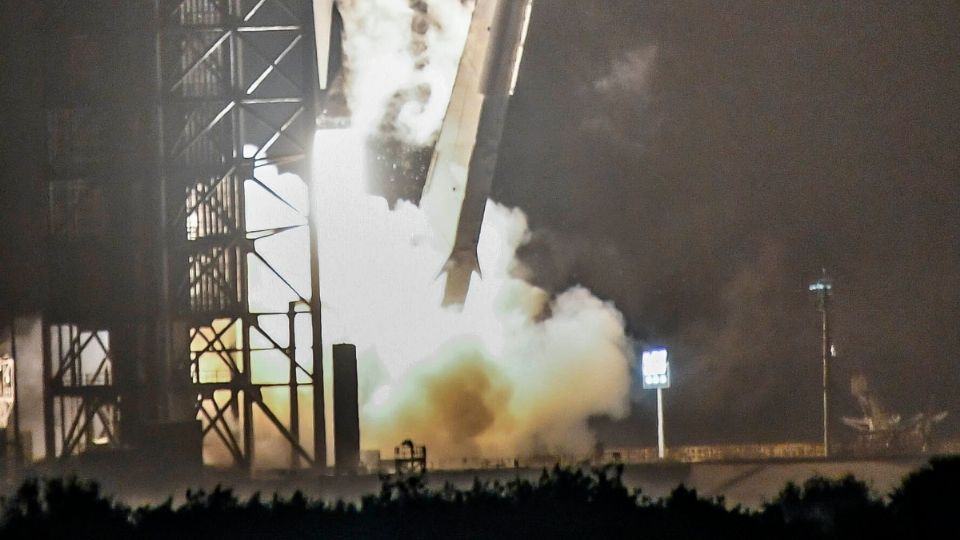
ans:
(465, 157)
(327, 40)
(331, 101)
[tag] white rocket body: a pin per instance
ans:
(323, 30)
(465, 158)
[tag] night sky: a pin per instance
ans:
(699, 162)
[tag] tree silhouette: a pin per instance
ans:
(561, 503)
(60, 508)
(827, 508)
(927, 503)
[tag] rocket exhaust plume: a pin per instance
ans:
(516, 370)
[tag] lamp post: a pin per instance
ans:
(823, 288)
(655, 369)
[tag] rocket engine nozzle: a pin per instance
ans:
(466, 155)
(459, 270)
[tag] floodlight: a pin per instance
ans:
(655, 369)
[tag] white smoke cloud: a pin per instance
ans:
(516, 370)
(620, 97)
(401, 58)
(629, 73)
(513, 372)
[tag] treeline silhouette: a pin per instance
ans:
(563, 503)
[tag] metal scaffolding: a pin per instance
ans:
(182, 265)
(97, 293)
(241, 326)
(84, 410)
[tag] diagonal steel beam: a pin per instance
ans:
(275, 195)
(278, 132)
(253, 10)
(274, 66)
(280, 276)
(282, 429)
(226, 436)
(203, 57)
(72, 355)
(210, 125)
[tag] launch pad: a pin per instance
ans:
(174, 328)
(180, 319)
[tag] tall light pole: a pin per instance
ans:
(655, 369)
(823, 288)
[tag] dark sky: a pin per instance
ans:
(699, 162)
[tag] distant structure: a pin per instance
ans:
(823, 288)
(409, 459)
(346, 414)
(9, 445)
(881, 432)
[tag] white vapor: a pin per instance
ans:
(517, 370)
(629, 73)
(401, 61)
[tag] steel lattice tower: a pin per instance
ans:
(169, 296)
(236, 82)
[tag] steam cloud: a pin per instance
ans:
(517, 370)
(401, 58)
